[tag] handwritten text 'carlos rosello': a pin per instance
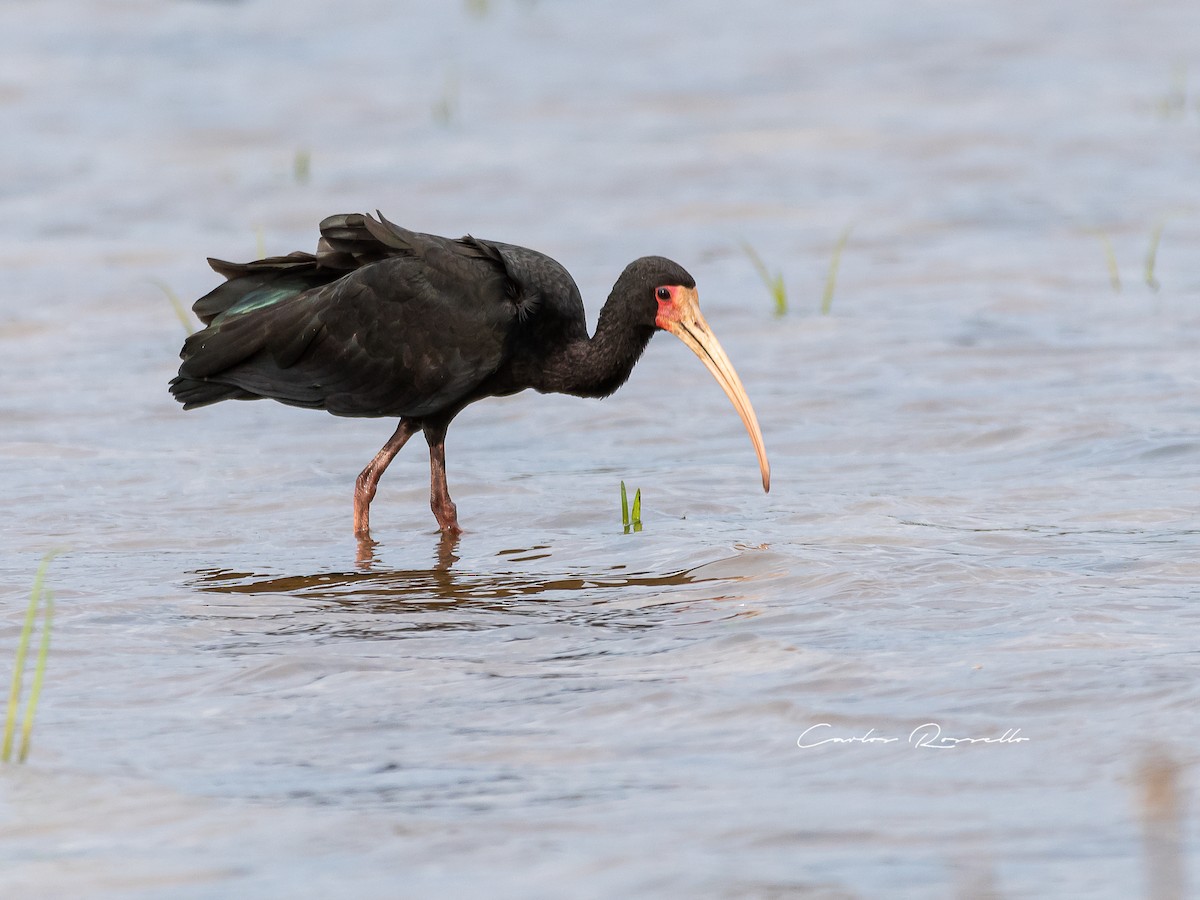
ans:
(928, 736)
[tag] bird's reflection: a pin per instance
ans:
(447, 544)
(443, 597)
(434, 587)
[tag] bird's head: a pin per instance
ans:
(676, 305)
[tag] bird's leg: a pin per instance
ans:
(368, 478)
(439, 493)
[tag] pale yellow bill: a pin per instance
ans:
(689, 326)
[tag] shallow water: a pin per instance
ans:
(984, 501)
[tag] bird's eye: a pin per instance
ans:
(663, 294)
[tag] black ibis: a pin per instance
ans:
(383, 321)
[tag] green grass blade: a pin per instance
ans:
(39, 674)
(779, 291)
(835, 263)
(774, 283)
(302, 166)
(637, 509)
(445, 109)
(759, 265)
(1110, 256)
(624, 506)
(14, 693)
(188, 325)
(1152, 256)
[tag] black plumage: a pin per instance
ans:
(383, 321)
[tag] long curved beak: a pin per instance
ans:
(683, 319)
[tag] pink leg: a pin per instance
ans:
(368, 478)
(439, 493)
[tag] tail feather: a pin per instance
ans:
(194, 392)
(261, 312)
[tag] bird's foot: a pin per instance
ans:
(446, 514)
(363, 495)
(450, 528)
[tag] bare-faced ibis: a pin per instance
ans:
(382, 321)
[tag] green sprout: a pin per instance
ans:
(835, 263)
(446, 107)
(1152, 255)
(302, 166)
(35, 690)
(773, 282)
(1114, 272)
(179, 308)
(628, 520)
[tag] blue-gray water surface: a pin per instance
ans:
(983, 515)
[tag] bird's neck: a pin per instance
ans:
(597, 366)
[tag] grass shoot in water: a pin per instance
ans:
(180, 311)
(36, 598)
(835, 263)
(445, 108)
(631, 520)
(1110, 256)
(1152, 255)
(477, 8)
(302, 166)
(773, 282)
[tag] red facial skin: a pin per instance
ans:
(667, 311)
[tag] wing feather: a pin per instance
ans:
(407, 334)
